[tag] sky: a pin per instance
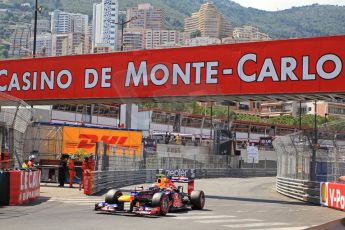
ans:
(274, 5)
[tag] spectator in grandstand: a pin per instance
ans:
(167, 138)
(62, 171)
(194, 140)
(178, 139)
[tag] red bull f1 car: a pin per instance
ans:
(158, 199)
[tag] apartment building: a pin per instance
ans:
(64, 22)
(160, 38)
(147, 17)
(20, 42)
(133, 39)
(209, 22)
(43, 44)
(105, 19)
(62, 44)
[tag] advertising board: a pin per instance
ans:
(24, 186)
(280, 67)
(84, 139)
(332, 195)
(252, 154)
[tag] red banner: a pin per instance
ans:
(24, 186)
(311, 65)
(332, 195)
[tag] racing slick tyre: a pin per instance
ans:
(197, 199)
(112, 197)
(162, 201)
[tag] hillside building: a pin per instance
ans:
(64, 22)
(105, 17)
(249, 33)
(146, 17)
(20, 42)
(209, 22)
(43, 26)
(43, 45)
(161, 38)
(70, 33)
(202, 41)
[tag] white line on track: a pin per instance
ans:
(227, 221)
(202, 217)
(288, 228)
(253, 225)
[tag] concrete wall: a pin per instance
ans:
(263, 155)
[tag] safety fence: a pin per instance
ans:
(101, 180)
(110, 157)
(15, 115)
(295, 153)
(294, 156)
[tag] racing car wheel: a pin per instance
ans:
(197, 199)
(112, 196)
(162, 201)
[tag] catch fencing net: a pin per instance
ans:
(295, 151)
(15, 116)
(112, 157)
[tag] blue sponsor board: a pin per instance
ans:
(189, 173)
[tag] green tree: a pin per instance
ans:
(5, 53)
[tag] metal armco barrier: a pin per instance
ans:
(215, 173)
(102, 180)
(304, 190)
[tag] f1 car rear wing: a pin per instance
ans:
(181, 179)
(180, 176)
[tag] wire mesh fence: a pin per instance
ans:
(15, 116)
(295, 151)
(112, 157)
(46, 141)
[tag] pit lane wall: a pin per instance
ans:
(102, 180)
(19, 187)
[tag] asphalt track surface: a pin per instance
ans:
(231, 203)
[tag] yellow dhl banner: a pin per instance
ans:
(76, 139)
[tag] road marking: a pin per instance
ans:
(288, 228)
(227, 221)
(202, 217)
(76, 200)
(254, 225)
(192, 213)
